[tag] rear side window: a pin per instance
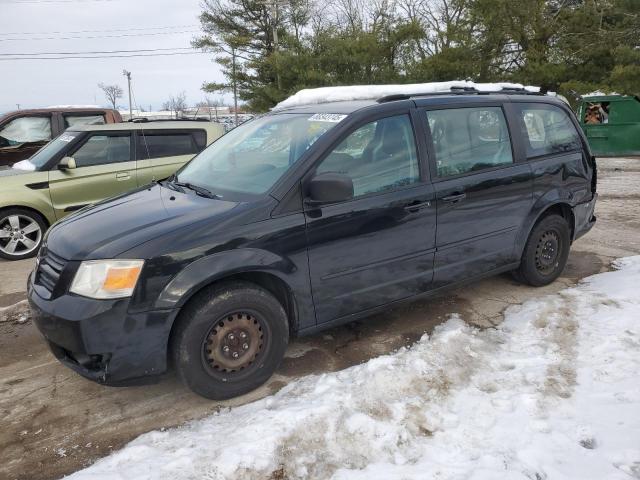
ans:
(77, 120)
(170, 144)
(547, 129)
(200, 137)
(469, 139)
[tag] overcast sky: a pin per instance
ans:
(130, 25)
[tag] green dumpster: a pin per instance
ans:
(611, 124)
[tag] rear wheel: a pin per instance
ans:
(546, 252)
(21, 233)
(229, 340)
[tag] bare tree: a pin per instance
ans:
(209, 104)
(111, 92)
(176, 105)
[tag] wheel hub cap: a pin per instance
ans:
(234, 342)
(547, 252)
(19, 235)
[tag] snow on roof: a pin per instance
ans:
(312, 96)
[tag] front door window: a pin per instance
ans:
(104, 149)
(379, 156)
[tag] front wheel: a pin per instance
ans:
(229, 340)
(546, 252)
(21, 233)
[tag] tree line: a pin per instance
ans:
(269, 49)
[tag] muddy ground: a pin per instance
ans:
(54, 422)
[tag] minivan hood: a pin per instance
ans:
(111, 227)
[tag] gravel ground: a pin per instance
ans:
(55, 422)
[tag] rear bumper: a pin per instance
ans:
(101, 340)
(584, 217)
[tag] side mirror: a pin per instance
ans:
(329, 187)
(67, 163)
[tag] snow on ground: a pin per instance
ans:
(552, 393)
(311, 96)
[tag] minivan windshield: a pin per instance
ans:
(252, 157)
(46, 153)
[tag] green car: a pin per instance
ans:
(87, 164)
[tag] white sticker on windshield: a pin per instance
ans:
(66, 138)
(327, 117)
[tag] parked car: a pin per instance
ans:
(611, 123)
(24, 132)
(306, 218)
(87, 164)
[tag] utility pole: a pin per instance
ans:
(128, 75)
(235, 86)
(274, 14)
(18, 105)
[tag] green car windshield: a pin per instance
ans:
(252, 157)
(42, 156)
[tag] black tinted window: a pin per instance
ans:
(102, 149)
(547, 129)
(156, 145)
(469, 139)
(200, 136)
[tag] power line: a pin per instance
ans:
(103, 56)
(98, 36)
(100, 31)
(94, 52)
(18, 2)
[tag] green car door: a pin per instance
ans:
(161, 152)
(104, 167)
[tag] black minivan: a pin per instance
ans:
(306, 218)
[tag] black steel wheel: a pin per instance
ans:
(546, 252)
(229, 339)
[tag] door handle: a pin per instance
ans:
(123, 176)
(417, 205)
(454, 198)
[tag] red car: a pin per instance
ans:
(24, 132)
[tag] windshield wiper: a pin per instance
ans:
(203, 192)
(169, 183)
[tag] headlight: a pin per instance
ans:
(107, 278)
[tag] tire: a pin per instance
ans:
(21, 233)
(546, 252)
(236, 318)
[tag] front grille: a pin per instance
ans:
(49, 270)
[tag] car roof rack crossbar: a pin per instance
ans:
(458, 91)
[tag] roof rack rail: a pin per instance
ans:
(459, 91)
(183, 119)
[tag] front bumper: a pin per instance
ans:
(101, 340)
(584, 217)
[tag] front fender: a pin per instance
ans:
(38, 200)
(214, 267)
